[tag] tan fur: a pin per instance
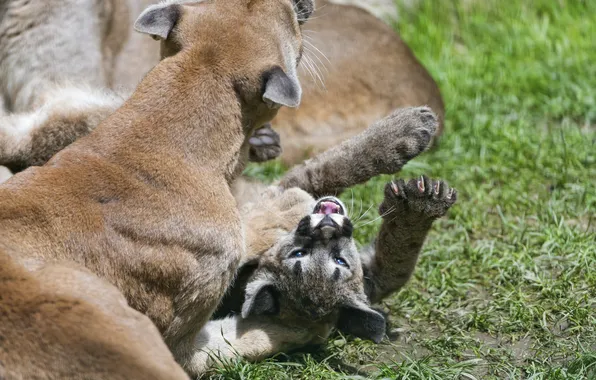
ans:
(257, 338)
(366, 68)
(366, 71)
(63, 322)
(143, 203)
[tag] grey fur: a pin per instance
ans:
(304, 8)
(313, 297)
(383, 148)
(408, 211)
(282, 89)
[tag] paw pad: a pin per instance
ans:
(265, 144)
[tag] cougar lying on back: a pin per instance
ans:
(59, 58)
(302, 274)
(144, 204)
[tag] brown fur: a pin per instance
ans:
(367, 71)
(61, 322)
(104, 206)
(366, 68)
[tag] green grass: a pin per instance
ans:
(506, 285)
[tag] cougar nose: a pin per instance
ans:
(327, 222)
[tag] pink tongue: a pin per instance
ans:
(329, 208)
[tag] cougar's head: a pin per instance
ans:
(314, 275)
(252, 45)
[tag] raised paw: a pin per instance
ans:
(421, 198)
(265, 144)
(401, 136)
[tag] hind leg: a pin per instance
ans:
(53, 42)
(79, 316)
(53, 53)
(32, 138)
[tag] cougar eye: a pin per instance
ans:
(297, 254)
(340, 261)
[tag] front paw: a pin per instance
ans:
(265, 144)
(421, 199)
(401, 136)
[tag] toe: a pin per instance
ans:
(420, 184)
(255, 141)
(395, 189)
(452, 195)
(267, 140)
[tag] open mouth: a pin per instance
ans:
(327, 206)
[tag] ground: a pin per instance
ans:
(506, 285)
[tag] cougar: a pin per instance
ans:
(140, 211)
(302, 274)
(57, 83)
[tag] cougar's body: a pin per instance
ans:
(143, 203)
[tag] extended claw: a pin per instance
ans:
(394, 188)
(421, 184)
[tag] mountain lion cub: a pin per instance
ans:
(302, 274)
(143, 203)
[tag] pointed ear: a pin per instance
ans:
(281, 89)
(360, 320)
(261, 299)
(158, 20)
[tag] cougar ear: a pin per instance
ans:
(261, 299)
(360, 320)
(304, 8)
(158, 20)
(281, 89)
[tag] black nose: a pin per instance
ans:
(327, 222)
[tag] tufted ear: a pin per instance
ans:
(304, 8)
(158, 20)
(261, 299)
(360, 320)
(281, 89)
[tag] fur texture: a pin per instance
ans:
(46, 86)
(364, 72)
(303, 276)
(60, 321)
(104, 206)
